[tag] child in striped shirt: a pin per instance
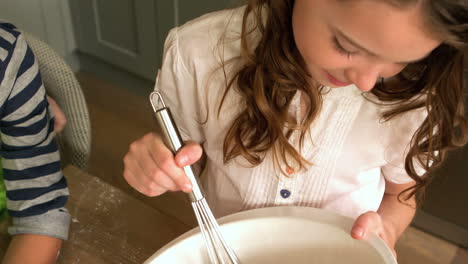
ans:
(36, 190)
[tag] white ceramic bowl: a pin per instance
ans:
(284, 235)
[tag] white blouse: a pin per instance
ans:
(352, 151)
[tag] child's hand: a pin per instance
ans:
(59, 117)
(152, 169)
(371, 222)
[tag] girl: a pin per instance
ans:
(340, 105)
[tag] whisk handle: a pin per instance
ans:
(172, 139)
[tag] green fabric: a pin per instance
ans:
(3, 210)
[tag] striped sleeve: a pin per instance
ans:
(36, 188)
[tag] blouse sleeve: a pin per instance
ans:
(180, 90)
(401, 130)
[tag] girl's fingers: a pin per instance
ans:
(150, 167)
(160, 179)
(189, 154)
(153, 173)
(133, 176)
(164, 159)
(365, 224)
(141, 171)
(368, 223)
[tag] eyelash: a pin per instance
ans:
(340, 48)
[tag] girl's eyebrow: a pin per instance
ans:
(354, 43)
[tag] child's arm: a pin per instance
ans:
(391, 219)
(32, 249)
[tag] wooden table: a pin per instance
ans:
(109, 226)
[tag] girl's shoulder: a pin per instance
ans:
(198, 41)
(214, 22)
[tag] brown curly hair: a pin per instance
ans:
(274, 71)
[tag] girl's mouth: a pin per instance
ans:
(335, 81)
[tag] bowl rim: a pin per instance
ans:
(302, 212)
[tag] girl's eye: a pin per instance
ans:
(340, 48)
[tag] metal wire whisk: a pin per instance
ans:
(218, 250)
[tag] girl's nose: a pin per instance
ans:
(364, 79)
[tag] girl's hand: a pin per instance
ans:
(59, 117)
(371, 222)
(152, 169)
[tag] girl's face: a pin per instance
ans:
(357, 42)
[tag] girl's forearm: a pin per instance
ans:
(396, 216)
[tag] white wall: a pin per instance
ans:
(49, 20)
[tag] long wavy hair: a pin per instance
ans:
(274, 71)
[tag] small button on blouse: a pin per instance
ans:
(285, 193)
